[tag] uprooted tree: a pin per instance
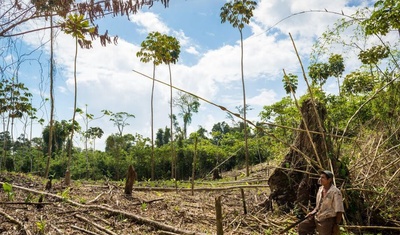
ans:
(294, 183)
(354, 133)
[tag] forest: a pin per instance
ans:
(353, 132)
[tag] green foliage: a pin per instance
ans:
(14, 98)
(320, 72)
(358, 82)
(8, 189)
(238, 12)
(159, 48)
(143, 206)
(290, 83)
(65, 194)
(61, 131)
(77, 26)
(384, 17)
(336, 65)
(187, 105)
(41, 226)
(373, 55)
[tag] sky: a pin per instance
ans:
(208, 66)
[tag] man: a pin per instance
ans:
(328, 211)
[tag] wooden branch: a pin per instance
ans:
(15, 221)
(26, 203)
(95, 199)
(57, 229)
(148, 201)
(83, 230)
(95, 225)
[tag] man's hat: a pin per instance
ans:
(328, 174)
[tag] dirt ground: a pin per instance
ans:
(102, 208)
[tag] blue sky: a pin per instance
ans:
(209, 64)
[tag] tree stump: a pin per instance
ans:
(130, 180)
(216, 175)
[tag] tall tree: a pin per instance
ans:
(76, 26)
(151, 50)
(169, 54)
(188, 105)
(238, 13)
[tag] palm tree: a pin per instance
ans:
(188, 104)
(239, 13)
(76, 26)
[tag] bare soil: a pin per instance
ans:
(102, 207)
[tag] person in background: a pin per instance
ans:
(326, 216)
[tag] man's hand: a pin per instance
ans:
(336, 230)
(311, 214)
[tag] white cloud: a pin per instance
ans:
(265, 97)
(192, 50)
(149, 22)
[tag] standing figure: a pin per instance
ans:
(326, 216)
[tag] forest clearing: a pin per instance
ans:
(324, 84)
(103, 208)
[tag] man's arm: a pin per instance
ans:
(339, 217)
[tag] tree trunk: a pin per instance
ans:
(130, 180)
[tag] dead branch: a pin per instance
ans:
(83, 230)
(148, 201)
(26, 203)
(57, 229)
(15, 221)
(95, 225)
(95, 199)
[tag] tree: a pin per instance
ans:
(15, 14)
(89, 133)
(76, 26)
(93, 133)
(188, 105)
(117, 145)
(384, 18)
(151, 50)
(60, 133)
(320, 72)
(168, 53)
(120, 120)
(239, 13)
(14, 103)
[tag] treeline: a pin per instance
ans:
(221, 148)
